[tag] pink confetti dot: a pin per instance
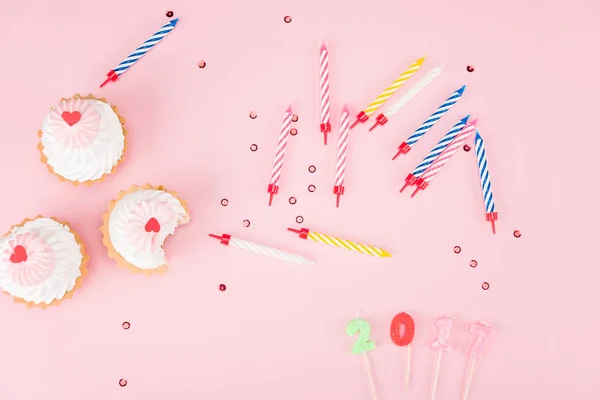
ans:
(457, 249)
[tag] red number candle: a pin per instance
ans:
(402, 332)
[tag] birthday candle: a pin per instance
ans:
(342, 243)
(227, 240)
(447, 138)
(441, 345)
(403, 337)
(141, 51)
(284, 134)
(383, 118)
(475, 352)
(486, 186)
(340, 168)
(436, 166)
(388, 92)
(324, 90)
(429, 122)
(362, 346)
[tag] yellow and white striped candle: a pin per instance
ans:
(390, 90)
(342, 243)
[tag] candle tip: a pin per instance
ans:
(337, 201)
(374, 126)
(474, 122)
(421, 60)
(105, 82)
(289, 109)
(396, 156)
(385, 254)
(323, 45)
(325, 137)
(271, 199)
(465, 119)
(404, 187)
(461, 90)
(215, 236)
(294, 230)
(175, 21)
(415, 192)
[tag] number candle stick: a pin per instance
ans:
(475, 352)
(441, 345)
(284, 134)
(447, 138)
(342, 243)
(486, 187)
(429, 122)
(324, 90)
(340, 167)
(227, 240)
(436, 166)
(402, 332)
(362, 346)
(383, 118)
(388, 92)
(141, 51)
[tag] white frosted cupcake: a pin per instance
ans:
(82, 139)
(42, 261)
(137, 224)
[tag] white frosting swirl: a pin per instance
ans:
(131, 222)
(88, 152)
(61, 242)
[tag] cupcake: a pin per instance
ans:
(137, 224)
(42, 261)
(82, 139)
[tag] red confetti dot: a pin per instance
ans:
(312, 169)
(457, 249)
(253, 114)
(169, 14)
(222, 287)
(299, 219)
(485, 286)
(246, 223)
(293, 131)
(466, 147)
(470, 68)
(292, 200)
(473, 263)
(202, 64)
(126, 325)
(253, 147)
(312, 188)
(517, 234)
(294, 118)
(287, 19)
(224, 202)
(122, 382)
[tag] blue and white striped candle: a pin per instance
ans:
(429, 122)
(138, 53)
(486, 186)
(448, 137)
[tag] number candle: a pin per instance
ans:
(447, 138)
(402, 332)
(475, 352)
(227, 240)
(486, 187)
(341, 243)
(388, 92)
(362, 346)
(429, 122)
(284, 134)
(340, 167)
(324, 91)
(141, 51)
(436, 166)
(383, 118)
(444, 325)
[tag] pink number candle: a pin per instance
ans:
(402, 332)
(284, 134)
(441, 345)
(482, 331)
(340, 166)
(436, 166)
(324, 91)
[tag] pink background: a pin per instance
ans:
(278, 331)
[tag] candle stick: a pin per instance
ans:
(342, 243)
(340, 167)
(429, 122)
(447, 138)
(383, 118)
(441, 345)
(362, 346)
(324, 90)
(476, 352)
(284, 134)
(402, 332)
(227, 240)
(141, 51)
(388, 92)
(436, 166)
(486, 187)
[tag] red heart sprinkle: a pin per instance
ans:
(152, 225)
(71, 118)
(19, 255)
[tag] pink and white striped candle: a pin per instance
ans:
(324, 91)
(284, 134)
(340, 166)
(436, 166)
